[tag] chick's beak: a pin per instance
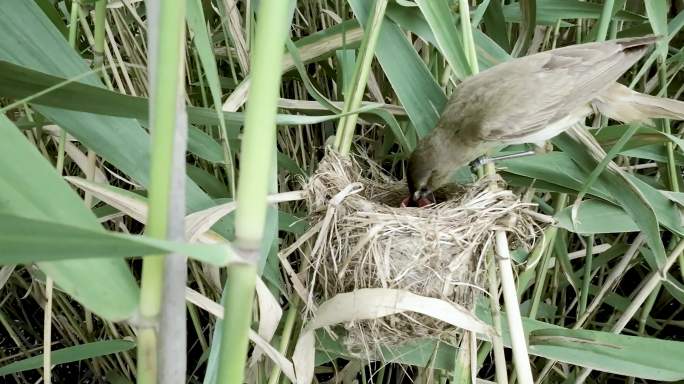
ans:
(418, 199)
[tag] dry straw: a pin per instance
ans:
(367, 241)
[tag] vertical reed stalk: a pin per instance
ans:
(586, 280)
(167, 31)
(47, 320)
(47, 332)
(345, 129)
(98, 63)
(511, 302)
(604, 21)
(258, 143)
(497, 343)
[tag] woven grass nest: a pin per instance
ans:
(367, 240)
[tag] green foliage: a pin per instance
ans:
(70, 354)
(420, 58)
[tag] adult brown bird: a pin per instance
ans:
(529, 100)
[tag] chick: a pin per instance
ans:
(529, 100)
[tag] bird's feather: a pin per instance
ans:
(516, 100)
(623, 104)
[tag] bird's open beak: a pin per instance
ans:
(418, 200)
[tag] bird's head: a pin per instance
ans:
(437, 156)
(425, 174)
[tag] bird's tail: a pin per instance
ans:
(623, 104)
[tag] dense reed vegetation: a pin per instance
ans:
(128, 127)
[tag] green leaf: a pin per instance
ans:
(488, 52)
(419, 353)
(561, 249)
(197, 25)
(26, 240)
(314, 47)
(204, 146)
(202, 42)
(550, 11)
(17, 81)
(657, 16)
(622, 189)
(70, 354)
(607, 159)
(495, 25)
(596, 216)
(51, 12)
(642, 357)
(31, 43)
(556, 168)
(443, 26)
(528, 23)
(304, 76)
(30, 187)
(208, 182)
(418, 92)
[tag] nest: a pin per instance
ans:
(366, 240)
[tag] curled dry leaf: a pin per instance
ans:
(373, 303)
(270, 314)
(197, 224)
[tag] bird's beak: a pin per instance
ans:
(423, 199)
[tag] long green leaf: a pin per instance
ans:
(418, 92)
(622, 189)
(550, 11)
(443, 26)
(641, 357)
(314, 47)
(17, 81)
(26, 240)
(419, 352)
(489, 53)
(495, 24)
(559, 168)
(596, 216)
(30, 41)
(196, 23)
(30, 187)
(610, 155)
(604, 351)
(70, 354)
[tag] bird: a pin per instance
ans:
(529, 100)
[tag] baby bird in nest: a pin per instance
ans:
(529, 100)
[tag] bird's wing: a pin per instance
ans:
(524, 96)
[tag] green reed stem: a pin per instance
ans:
(345, 129)
(166, 72)
(256, 163)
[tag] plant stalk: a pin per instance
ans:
(345, 129)
(47, 332)
(586, 280)
(288, 329)
(497, 343)
(604, 21)
(258, 145)
(166, 35)
(511, 302)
